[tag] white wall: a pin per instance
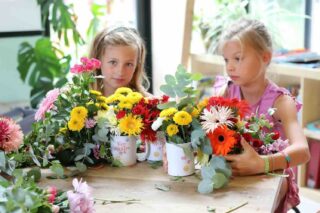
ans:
(167, 38)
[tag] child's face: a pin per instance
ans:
(118, 65)
(243, 64)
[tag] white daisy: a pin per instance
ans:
(216, 117)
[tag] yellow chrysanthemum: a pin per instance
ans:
(182, 118)
(202, 104)
(172, 129)
(134, 97)
(130, 125)
(102, 99)
(125, 104)
(168, 112)
(79, 112)
(89, 103)
(95, 92)
(63, 130)
(118, 97)
(195, 112)
(98, 105)
(123, 91)
(75, 124)
(104, 106)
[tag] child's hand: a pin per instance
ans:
(247, 163)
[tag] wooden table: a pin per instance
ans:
(140, 181)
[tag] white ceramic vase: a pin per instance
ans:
(123, 148)
(180, 163)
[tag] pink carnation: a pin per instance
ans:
(52, 191)
(11, 135)
(90, 123)
(47, 104)
(88, 65)
(80, 200)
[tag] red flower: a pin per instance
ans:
(138, 110)
(247, 136)
(256, 143)
(148, 134)
(276, 135)
(222, 140)
(121, 114)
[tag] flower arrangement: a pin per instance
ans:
(225, 123)
(66, 122)
(11, 137)
(121, 116)
(179, 117)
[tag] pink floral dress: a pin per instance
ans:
(271, 93)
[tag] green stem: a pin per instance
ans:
(237, 207)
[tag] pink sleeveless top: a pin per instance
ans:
(271, 93)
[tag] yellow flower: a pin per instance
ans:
(182, 118)
(98, 105)
(89, 103)
(118, 97)
(134, 97)
(195, 112)
(102, 99)
(172, 129)
(63, 130)
(95, 92)
(130, 125)
(123, 91)
(104, 106)
(168, 112)
(75, 124)
(79, 112)
(202, 104)
(125, 104)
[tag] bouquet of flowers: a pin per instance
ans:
(66, 121)
(11, 137)
(225, 123)
(121, 117)
(179, 117)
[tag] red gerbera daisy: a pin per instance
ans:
(222, 140)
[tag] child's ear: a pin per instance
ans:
(266, 57)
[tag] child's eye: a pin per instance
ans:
(225, 60)
(237, 59)
(130, 64)
(112, 62)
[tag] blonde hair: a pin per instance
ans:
(248, 32)
(125, 36)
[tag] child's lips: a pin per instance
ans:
(234, 77)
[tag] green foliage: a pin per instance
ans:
(44, 66)
(215, 175)
(22, 195)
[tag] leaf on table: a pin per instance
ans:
(177, 178)
(155, 164)
(211, 209)
(162, 187)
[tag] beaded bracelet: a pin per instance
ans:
(266, 165)
(287, 158)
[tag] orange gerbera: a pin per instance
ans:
(222, 140)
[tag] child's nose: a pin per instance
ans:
(230, 67)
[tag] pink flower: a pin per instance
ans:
(88, 65)
(52, 193)
(76, 69)
(47, 104)
(11, 135)
(80, 200)
(90, 123)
